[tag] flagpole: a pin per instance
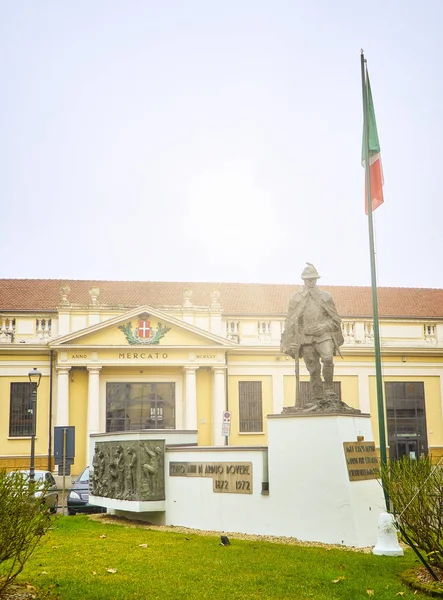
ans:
(378, 373)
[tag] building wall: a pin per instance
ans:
(411, 353)
(355, 388)
(15, 451)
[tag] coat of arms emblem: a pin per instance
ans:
(144, 333)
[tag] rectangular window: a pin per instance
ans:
(306, 394)
(134, 406)
(250, 406)
(20, 414)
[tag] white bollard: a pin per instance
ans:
(387, 541)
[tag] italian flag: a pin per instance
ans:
(375, 168)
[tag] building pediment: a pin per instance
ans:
(144, 327)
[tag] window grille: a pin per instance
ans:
(250, 406)
(20, 415)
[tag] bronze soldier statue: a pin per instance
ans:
(313, 331)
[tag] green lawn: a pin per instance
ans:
(73, 559)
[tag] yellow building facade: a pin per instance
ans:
(120, 356)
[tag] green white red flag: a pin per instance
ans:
(375, 167)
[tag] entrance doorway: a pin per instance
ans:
(406, 419)
(407, 448)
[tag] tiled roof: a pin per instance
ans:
(235, 298)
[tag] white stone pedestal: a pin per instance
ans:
(309, 483)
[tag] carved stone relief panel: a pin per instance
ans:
(129, 470)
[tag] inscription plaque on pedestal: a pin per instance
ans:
(361, 460)
(228, 478)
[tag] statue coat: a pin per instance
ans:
(294, 336)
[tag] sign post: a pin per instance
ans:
(64, 454)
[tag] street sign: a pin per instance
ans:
(226, 429)
(226, 425)
(64, 448)
(64, 443)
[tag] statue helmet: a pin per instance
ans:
(310, 272)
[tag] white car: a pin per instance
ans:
(45, 485)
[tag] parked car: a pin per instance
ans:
(78, 498)
(45, 485)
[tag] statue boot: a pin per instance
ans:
(328, 375)
(317, 388)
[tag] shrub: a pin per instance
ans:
(415, 490)
(24, 519)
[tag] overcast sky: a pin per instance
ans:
(207, 140)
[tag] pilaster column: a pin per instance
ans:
(190, 398)
(62, 403)
(93, 421)
(218, 406)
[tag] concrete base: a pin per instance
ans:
(309, 482)
(304, 472)
(129, 506)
